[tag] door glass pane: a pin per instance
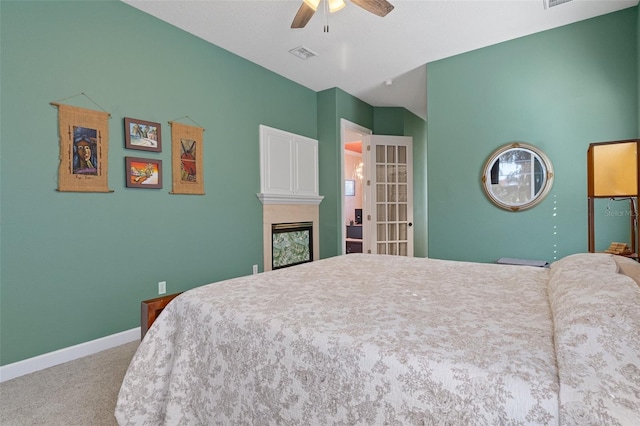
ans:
(402, 228)
(380, 154)
(381, 192)
(402, 212)
(391, 173)
(393, 249)
(402, 154)
(391, 192)
(381, 173)
(391, 208)
(402, 249)
(382, 232)
(393, 234)
(382, 248)
(402, 193)
(391, 154)
(402, 174)
(381, 213)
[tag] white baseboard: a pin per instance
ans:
(31, 365)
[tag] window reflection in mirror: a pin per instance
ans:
(517, 176)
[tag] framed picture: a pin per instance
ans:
(187, 171)
(143, 173)
(142, 135)
(350, 187)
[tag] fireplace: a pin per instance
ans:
(291, 244)
(283, 215)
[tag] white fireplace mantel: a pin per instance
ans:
(289, 199)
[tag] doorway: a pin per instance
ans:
(377, 192)
(354, 231)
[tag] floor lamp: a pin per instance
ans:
(613, 172)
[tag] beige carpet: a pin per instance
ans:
(81, 392)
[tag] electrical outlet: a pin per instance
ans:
(162, 287)
(255, 269)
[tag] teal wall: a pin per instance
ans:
(74, 266)
(388, 121)
(559, 90)
(417, 128)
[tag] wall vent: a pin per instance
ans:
(303, 52)
(552, 3)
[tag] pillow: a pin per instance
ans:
(628, 267)
(583, 264)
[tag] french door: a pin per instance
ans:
(389, 208)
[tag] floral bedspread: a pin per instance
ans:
(370, 340)
(597, 331)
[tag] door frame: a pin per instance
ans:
(347, 126)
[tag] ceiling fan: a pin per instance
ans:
(309, 7)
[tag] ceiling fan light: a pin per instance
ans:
(313, 4)
(335, 5)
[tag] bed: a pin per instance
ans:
(385, 340)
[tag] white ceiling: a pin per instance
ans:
(362, 51)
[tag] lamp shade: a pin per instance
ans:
(613, 169)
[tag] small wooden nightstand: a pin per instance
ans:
(150, 309)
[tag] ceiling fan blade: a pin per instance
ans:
(302, 17)
(377, 7)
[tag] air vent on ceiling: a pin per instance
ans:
(303, 52)
(552, 3)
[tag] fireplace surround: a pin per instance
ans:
(273, 214)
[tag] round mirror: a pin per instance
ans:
(517, 176)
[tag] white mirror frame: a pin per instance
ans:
(547, 174)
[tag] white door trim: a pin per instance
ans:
(347, 126)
